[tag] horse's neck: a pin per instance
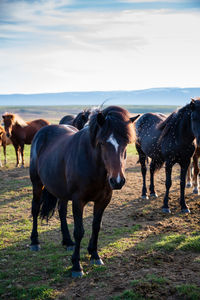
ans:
(185, 129)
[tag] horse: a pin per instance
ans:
(4, 141)
(170, 140)
(21, 132)
(79, 121)
(193, 172)
(81, 166)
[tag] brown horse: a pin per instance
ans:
(4, 141)
(21, 132)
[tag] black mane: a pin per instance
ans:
(173, 120)
(117, 121)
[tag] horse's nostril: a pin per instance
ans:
(123, 180)
(112, 181)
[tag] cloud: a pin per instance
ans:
(48, 48)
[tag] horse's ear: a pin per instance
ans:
(133, 119)
(100, 119)
(192, 104)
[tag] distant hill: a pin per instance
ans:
(155, 96)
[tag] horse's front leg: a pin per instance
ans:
(92, 248)
(168, 183)
(67, 241)
(195, 175)
(142, 160)
(77, 206)
(184, 167)
(152, 187)
(37, 190)
(22, 154)
(4, 152)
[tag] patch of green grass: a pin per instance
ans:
(121, 239)
(129, 295)
(190, 291)
(37, 293)
(131, 150)
(172, 242)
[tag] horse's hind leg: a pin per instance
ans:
(195, 175)
(17, 154)
(142, 160)
(189, 177)
(92, 248)
(37, 190)
(168, 183)
(67, 241)
(77, 206)
(152, 171)
(184, 167)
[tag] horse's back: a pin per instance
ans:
(148, 133)
(38, 123)
(148, 120)
(67, 120)
(50, 135)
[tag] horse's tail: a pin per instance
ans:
(48, 205)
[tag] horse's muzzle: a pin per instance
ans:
(117, 184)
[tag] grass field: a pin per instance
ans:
(147, 255)
(55, 113)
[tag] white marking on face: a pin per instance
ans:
(113, 141)
(118, 178)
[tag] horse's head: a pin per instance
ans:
(81, 119)
(195, 118)
(112, 130)
(8, 120)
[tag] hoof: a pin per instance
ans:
(98, 262)
(185, 210)
(195, 191)
(154, 195)
(70, 248)
(35, 247)
(145, 197)
(166, 210)
(188, 185)
(77, 274)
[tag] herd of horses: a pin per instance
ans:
(85, 161)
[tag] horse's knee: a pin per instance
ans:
(79, 233)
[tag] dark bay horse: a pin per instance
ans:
(82, 166)
(170, 140)
(4, 141)
(21, 132)
(79, 121)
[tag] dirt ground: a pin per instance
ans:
(127, 209)
(132, 259)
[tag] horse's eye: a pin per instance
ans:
(124, 154)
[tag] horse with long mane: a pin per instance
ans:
(21, 132)
(4, 141)
(82, 166)
(79, 121)
(170, 140)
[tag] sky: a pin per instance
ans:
(49, 46)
